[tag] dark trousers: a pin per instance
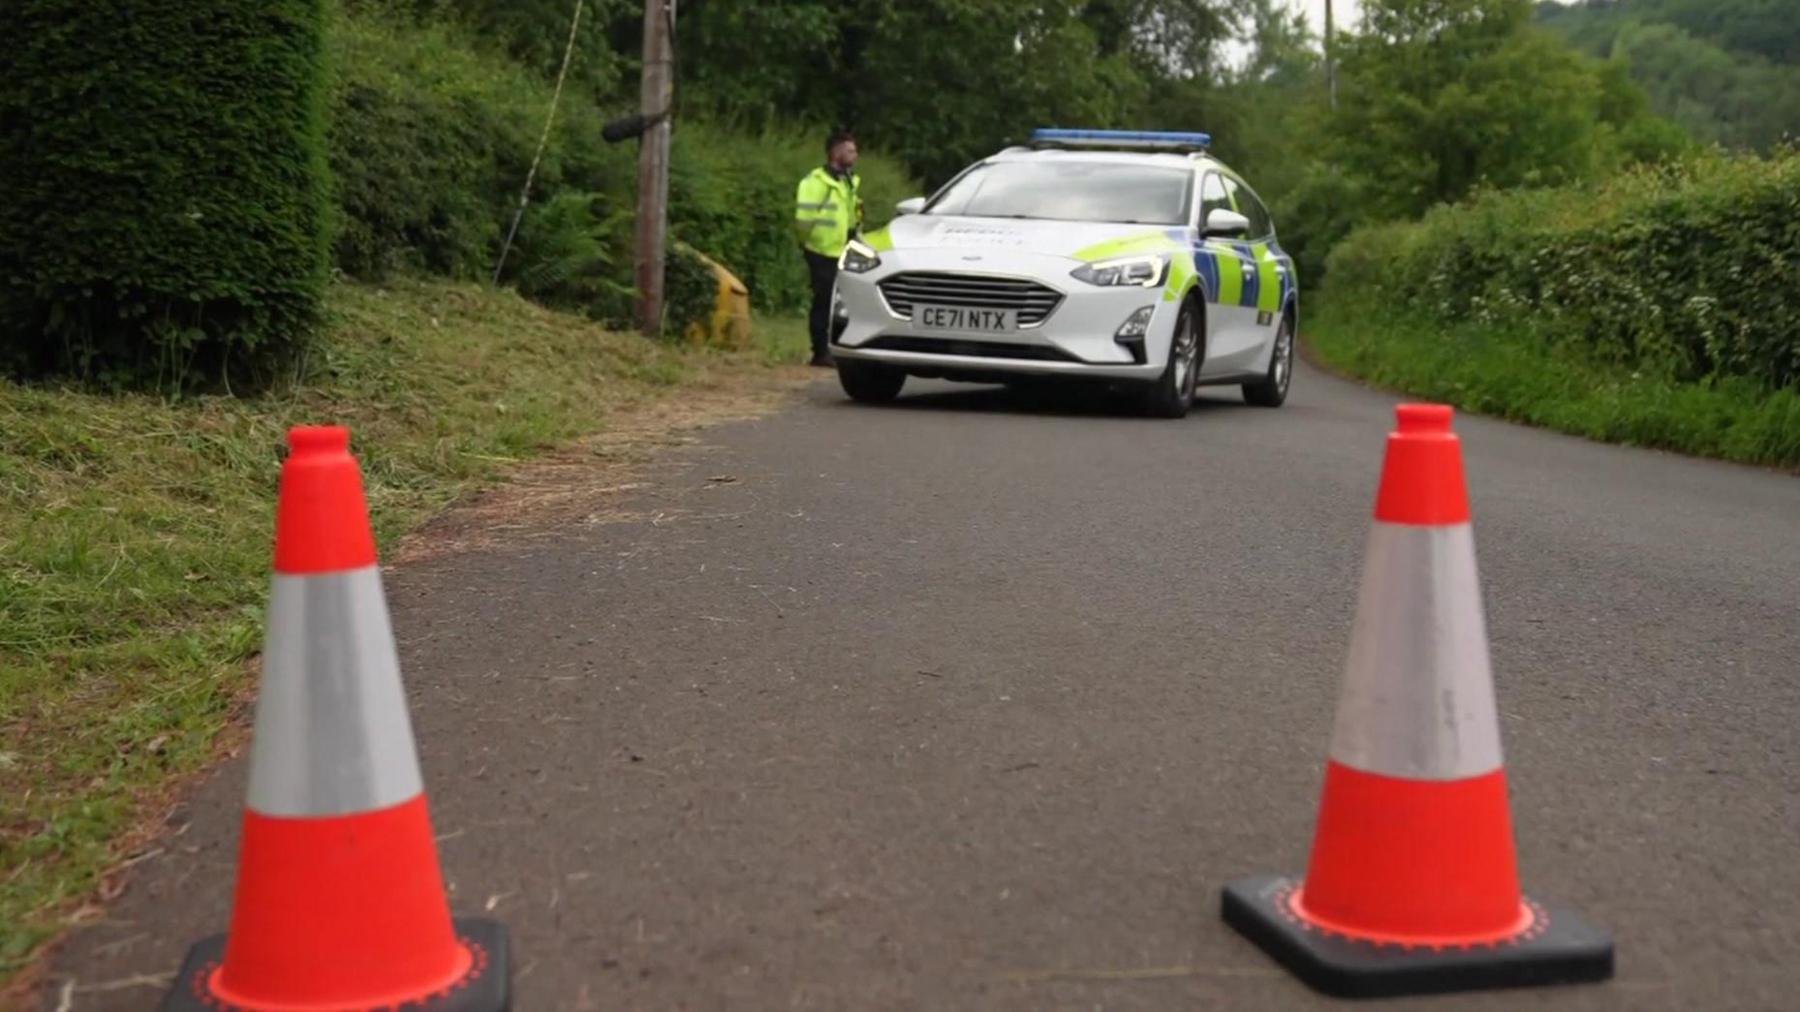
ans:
(824, 273)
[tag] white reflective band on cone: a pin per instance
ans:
(332, 733)
(1418, 695)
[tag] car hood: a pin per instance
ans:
(1076, 240)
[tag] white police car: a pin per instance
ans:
(1110, 255)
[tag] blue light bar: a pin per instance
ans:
(1145, 139)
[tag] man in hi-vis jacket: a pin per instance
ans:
(828, 212)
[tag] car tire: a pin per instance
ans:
(869, 382)
(1272, 389)
(1171, 394)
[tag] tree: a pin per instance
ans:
(751, 65)
(1442, 96)
(1726, 70)
(1167, 39)
(943, 81)
(1010, 65)
(1282, 46)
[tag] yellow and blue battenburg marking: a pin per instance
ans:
(1252, 275)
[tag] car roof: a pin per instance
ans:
(1164, 158)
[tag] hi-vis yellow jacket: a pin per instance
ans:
(828, 211)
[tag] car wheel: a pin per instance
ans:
(869, 382)
(1272, 389)
(1172, 393)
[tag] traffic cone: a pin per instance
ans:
(1413, 883)
(340, 904)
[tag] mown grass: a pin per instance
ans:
(135, 542)
(1512, 371)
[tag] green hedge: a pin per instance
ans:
(1686, 273)
(163, 188)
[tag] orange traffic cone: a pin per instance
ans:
(340, 904)
(1413, 884)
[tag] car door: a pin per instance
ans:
(1274, 270)
(1228, 270)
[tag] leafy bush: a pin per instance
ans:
(574, 251)
(1506, 368)
(690, 289)
(165, 207)
(534, 34)
(432, 138)
(1687, 272)
(431, 141)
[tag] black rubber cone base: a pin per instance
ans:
(1559, 948)
(485, 988)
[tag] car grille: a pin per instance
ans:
(1034, 302)
(978, 349)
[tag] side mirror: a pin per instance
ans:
(911, 205)
(1225, 222)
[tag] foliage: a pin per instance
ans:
(690, 289)
(1684, 273)
(535, 33)
(1726, 70)
(431, 141)
(1437, 98)
(884, 69)
(1763, 28)
(163, 220)
(574, 252)
(1506, 368)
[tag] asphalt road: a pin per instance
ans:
(975, 702)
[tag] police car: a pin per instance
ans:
(1125, 256)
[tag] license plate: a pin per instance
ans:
(966, 319)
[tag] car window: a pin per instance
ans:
(1070, 191)
(1212, 195)
(1250, 207)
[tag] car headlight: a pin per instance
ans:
(858, 258)
(1143, 272)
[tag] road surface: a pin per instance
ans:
(975, 702)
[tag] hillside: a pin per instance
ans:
(1726, 70)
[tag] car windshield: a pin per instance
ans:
(1070, 191)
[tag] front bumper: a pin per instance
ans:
(1077, 339)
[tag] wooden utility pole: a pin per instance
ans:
(1330, 63)
(653, 163)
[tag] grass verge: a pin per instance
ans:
(1512, 372)
(135, 539)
